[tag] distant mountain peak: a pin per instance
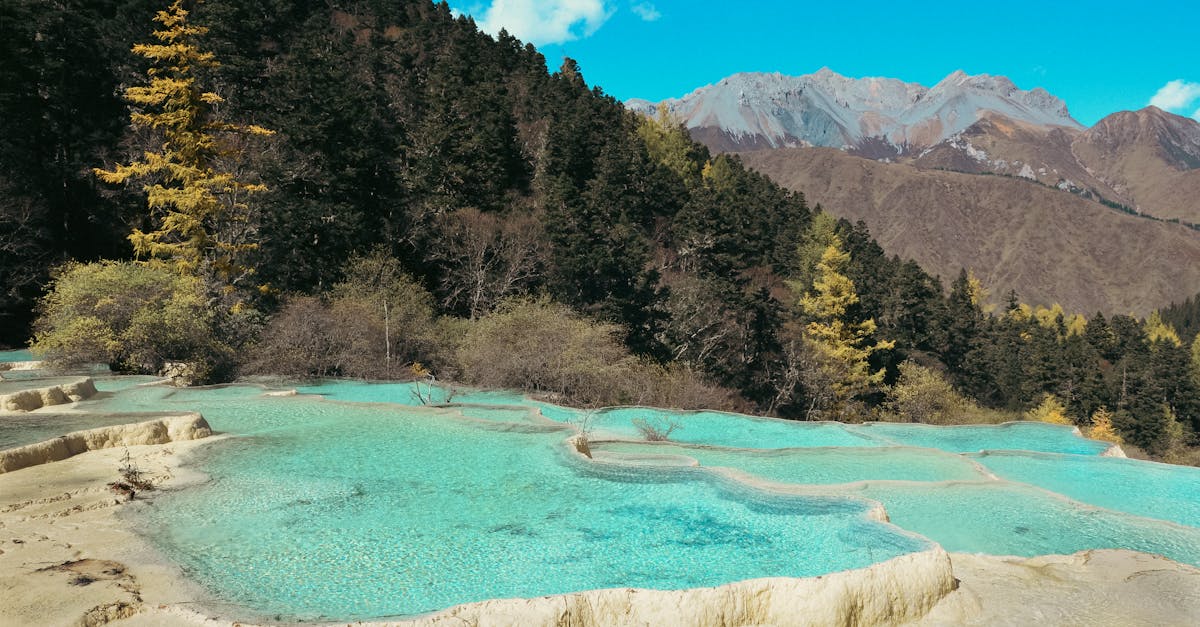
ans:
(1174, 137)
(759, 110)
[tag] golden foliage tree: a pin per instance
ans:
(1049, 410)
(199, 208)
(842, 345)
(1196, 359)
(669, 144)
(1102, 427)
(1159, 331)
(979, 294)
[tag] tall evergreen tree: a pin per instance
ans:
(203, 223)
(844, 346)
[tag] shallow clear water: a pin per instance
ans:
(1149, 489)
(365, 511)
(737, 430)
(1001, 518)
(733, 430)
(19, 428)
(817, 466)
(16, 355)
(1026, 436)
(370, 508)
(498, 414)
(16, 384)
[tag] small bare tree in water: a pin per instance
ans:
(656, 428)
(585, 422)
(422, 376)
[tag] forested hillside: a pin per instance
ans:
(438, 201)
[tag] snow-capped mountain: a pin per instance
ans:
(875, 116)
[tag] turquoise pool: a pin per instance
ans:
(817, 466)
(947, 499)
(738, 430)
(358, 503)
(16, 355)
(1148, 489)
(1026, 436)
(734, 430)
(1001, 518)
(344, 511)
(19, 429)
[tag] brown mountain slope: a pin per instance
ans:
(1146, 160)
(1048, 245)
(1150, 157)
(996, 144)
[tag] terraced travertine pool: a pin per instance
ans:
(16, 355)
(351, 502)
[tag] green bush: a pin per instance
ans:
(541, 346)
(922, 395)
(135, 317)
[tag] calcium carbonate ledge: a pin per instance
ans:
(901, 590)
(29, 400)
(190, 426)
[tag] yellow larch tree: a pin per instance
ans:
(1196, 359)
(843, 346)
(669, 144)
(1102, 427)
(1159, 331)
(1049, 410)
(200, 211)
(979, 293)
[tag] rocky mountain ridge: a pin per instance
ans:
(1145, 162)
(877, 116)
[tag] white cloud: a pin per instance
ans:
(1176, 95)
(544, 21)
(1196, 115)
(647, 11)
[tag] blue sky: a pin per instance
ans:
(1099, 57)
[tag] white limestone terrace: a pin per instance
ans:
(831, 110)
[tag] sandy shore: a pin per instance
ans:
(67, 558)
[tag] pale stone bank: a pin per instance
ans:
(61, 394)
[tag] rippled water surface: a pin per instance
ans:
(345, 511)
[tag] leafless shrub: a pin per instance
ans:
(132, 478)
(487, 257)
(373, 326)
(656, 428)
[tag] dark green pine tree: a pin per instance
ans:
(599, 214)
(1085, 389)
(61, 113)
(1100, 336)
(1170, 366)
(913, 309)
(763, 354)
(1044, 368)
(966, 350)
(333, 173)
